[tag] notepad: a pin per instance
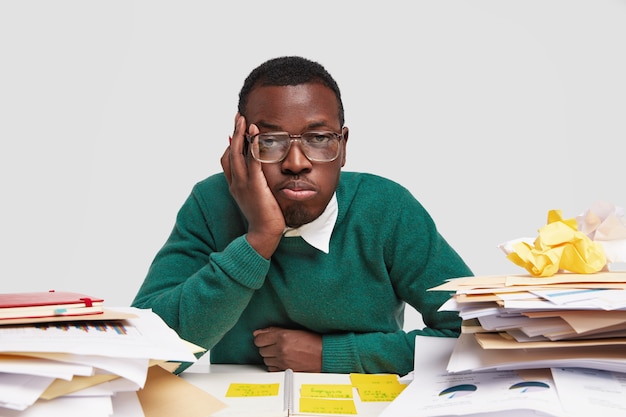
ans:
(48, 304)
(320, 394)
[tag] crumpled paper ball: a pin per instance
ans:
(560, 246)
(604, 223)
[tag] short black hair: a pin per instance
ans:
(288, 70)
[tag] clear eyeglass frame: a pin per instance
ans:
(305, 140)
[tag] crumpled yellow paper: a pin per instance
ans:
(560, 246)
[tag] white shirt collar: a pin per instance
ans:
(318, 232)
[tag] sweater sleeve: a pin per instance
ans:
(374, 352)
(198, 287)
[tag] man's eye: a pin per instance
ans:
(268, 141)
(318, 139)
(321, 138)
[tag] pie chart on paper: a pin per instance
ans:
(530, 386)
(458, 390)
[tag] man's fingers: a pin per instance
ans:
(271, 360)
(225, 161)
(263, 337)
(236, 157)
(264, 330)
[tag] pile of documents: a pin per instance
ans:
(524, 322)
(57, 363)
(558, 392)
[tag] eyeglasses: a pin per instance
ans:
(273, 147)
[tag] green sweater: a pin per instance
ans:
(214, 289)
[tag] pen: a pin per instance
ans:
(288, 395)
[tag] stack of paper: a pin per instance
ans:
(92, 364)
(558, 392)
(521, 321)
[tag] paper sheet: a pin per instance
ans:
(68, 407)
(167, 395)
(144, 337)
(468, 355)
(434, 392)
(583, 390)
(17, 392)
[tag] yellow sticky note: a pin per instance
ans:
(326, 390)
(326, 406)
(379, 392)
(377, 387)
(252, 390)
(361, 379)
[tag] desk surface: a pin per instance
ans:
(215, 379)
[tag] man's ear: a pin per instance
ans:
(345, 132)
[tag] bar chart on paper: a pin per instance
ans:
(77, 327)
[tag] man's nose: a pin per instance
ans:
(296, 161)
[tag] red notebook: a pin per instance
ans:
(48, 304)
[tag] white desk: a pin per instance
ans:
(215, 379)
(431, 355)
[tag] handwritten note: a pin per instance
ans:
(368, 379)
(327, 399)
(252, 390)
(375, 392)
(326, 391)
(326, 406)
(377, 387)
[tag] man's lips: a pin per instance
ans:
(298, 190)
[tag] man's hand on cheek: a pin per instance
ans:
(248, 186)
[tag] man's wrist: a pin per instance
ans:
(264, 244)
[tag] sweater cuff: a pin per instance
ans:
(241, 262)
(339, 354)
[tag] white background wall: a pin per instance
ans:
(491, 112)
